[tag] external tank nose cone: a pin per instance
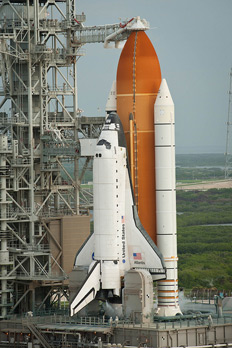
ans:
(138, 62)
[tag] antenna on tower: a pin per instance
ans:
(228, 163)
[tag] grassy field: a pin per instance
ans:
(205, 251)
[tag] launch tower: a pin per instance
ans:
(40, 124)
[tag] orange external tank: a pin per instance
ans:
(138, 82)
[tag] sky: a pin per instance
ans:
(193, 41)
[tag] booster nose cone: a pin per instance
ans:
(164, 97)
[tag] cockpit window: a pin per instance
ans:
(104, 142)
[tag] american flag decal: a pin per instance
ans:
(123, 219)
(137, 256)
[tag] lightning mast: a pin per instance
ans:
(228, 164)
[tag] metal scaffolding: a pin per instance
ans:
(40, 126)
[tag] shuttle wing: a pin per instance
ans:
(88, 290)
(84, 257)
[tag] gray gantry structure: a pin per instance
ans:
(40, 126)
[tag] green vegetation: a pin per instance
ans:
(194, 175)
(195, 168)
(202, 160)
(205, 252)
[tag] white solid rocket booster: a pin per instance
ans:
(168, 304)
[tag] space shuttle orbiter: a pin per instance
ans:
(119, 242)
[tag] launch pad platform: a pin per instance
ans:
(64, 331)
